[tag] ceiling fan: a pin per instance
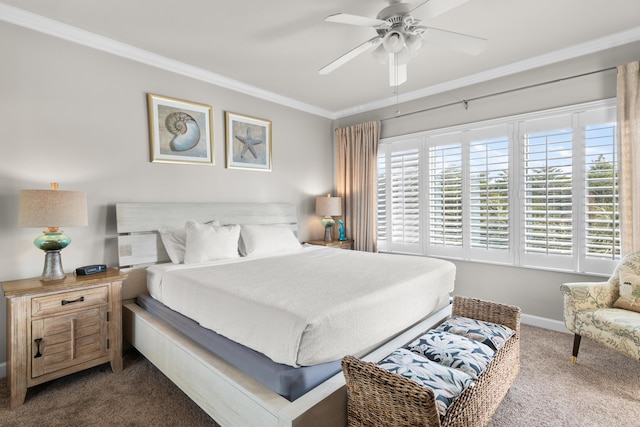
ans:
(400, 35)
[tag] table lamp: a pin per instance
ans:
(328, 207)
(52, 209)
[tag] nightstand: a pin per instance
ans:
(341, 244)
(60, 327)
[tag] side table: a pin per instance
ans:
(341, 244)
(60, 327)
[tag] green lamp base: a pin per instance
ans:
(327, 222)
(52, 243)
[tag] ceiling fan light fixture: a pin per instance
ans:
(393, 41)
(380, 54)
(400, 36)
(414, 43)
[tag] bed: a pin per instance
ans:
(294, 334)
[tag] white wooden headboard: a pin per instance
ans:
(137, 223)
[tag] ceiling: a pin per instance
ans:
(274, 49)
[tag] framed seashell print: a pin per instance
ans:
(248, 142)
(180, 131)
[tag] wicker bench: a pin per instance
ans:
(379, 398)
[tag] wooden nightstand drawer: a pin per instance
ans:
(67, 340)
(69, 301)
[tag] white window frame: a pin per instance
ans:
(537, 124)
(431, 141)
(578, 262)
(390, 146)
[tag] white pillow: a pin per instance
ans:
(260, 240)
(209, 243)
(174, 241)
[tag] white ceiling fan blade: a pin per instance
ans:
(350, 55)
(456, 41)
(345, 18)
(432, 8)
(397, 73)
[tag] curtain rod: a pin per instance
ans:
(465, 102)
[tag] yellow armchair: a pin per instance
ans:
(589, 312)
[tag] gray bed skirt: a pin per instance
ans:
(287, 381)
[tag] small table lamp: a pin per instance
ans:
(52, 209)
(328, 207)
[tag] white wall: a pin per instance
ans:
(78, 116)
(536, 292)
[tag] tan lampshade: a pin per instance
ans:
(52, 208)
(329, 206)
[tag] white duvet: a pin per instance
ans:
(310, 306)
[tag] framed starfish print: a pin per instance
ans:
(248, 142)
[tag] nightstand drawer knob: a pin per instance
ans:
(65, 302)
(38, 354)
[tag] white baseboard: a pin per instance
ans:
(3, 369)
(543, 322)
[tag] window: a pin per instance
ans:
(537, 190)
(445, 195)
(547, 182)
(602, 227)
(399, 197)
(489, 193)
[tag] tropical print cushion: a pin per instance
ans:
(491, 334)
(629, 292)
(454, 351)
(446, 383)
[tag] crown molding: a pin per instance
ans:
(73, 34)
(597, 45)
(58, 29)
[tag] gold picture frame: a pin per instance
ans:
(248, 142)
(180, 131)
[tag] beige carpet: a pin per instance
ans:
(602, 390)
(140, 396)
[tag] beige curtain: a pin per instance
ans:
(357, 162)
(628, 95)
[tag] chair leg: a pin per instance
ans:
(576, 347)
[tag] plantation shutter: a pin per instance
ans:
(399, 230)
(489, 213)
(382, 197)
(547, 177)
(536, 190)
(445, 198)
(602, 209)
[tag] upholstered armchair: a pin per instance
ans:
(607, 312)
